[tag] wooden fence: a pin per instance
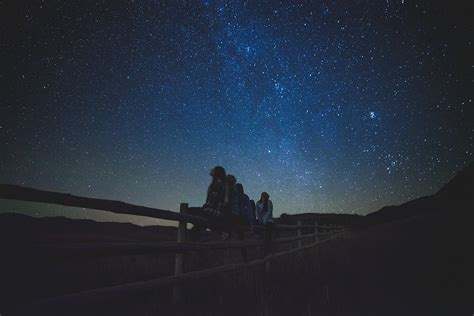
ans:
(181, 246)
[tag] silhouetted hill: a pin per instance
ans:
(454, 197)
(24, 228)
(460, 189)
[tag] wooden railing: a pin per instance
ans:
(320, 234)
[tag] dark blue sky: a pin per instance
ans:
(330, 106)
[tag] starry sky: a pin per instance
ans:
(330, 106)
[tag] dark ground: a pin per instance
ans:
(418, 266)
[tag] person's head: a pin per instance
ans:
(264, 196)
(217, 172)
(240, 188)
(230, 180)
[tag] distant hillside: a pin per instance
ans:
(454, 197)
(24, 228)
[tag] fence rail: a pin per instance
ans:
(126, 248)
(16, 192)
(135, 248)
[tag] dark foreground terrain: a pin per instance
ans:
(419, 266)
(412, 259)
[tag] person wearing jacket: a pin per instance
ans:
(264, 210)
(214, 205)
(244, 217)
(231, 200)
(231, 205)
(213, 209)
(253, 207)
(246, 212)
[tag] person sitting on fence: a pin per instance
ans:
(214, 205)
(246, 212)
(231, 205)
(264, 210)
(213, 209)
(253, 207)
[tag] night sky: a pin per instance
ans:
(330, 106)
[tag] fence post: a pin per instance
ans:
(316, 238)
(300, 242)
(179, 260)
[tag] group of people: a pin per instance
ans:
(227, 205)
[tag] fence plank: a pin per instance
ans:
(316, 237)
(137, 248)
(299, 234)
(290, 227)
(179, 260)
(15, 192)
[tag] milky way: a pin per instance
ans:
(328, 106)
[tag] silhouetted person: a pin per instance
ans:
(253, 207)
(245, 217)
(213, 209)
(246, 211)
(231, 204)
(264, 210)
(216, 192)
